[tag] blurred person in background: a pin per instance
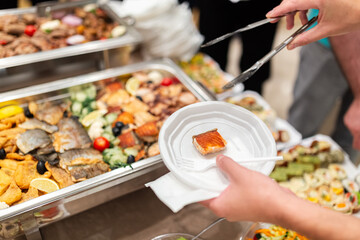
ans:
(320, 83)
(218, 17)
(6, 4)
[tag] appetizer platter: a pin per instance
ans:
(64, 140)
(284, 134)
(319, 171)
(204, 69)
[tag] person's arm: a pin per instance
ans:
(252, 196)
(347, 51)
(335, 17)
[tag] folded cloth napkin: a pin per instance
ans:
(175, 194)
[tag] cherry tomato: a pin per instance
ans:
(30, 30)
(3, 42)
(167, 81)
(103, 38)
(101, 143)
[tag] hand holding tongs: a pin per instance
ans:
(249, 72)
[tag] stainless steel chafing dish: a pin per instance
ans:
(45, 66)
(26, 218)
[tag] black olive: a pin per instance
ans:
(66, 114)
(116, 131)
(149, 82)
(40, 167)
(27, 113)
(119, 125)
(130, 159)
(139, 97)
(2, 154)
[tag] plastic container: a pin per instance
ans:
(246, 135)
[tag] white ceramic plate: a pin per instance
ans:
(247, 136)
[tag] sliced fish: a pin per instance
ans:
(52, 158)
(83, 163)
(46, 150)
(87, 155)
(81, 173)
(71, 135)
(48, 112)
(32, 139)
(34, 124)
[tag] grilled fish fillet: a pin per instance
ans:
(71, 135)
(32, 139)
(34, 124)
(209, 142)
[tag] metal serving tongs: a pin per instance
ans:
(249, 72)
(248, 27)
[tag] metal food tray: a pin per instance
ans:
(102, 51)
(26, 218)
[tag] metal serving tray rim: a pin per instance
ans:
(163, 64)
(131, 37)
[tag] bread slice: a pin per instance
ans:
(209, 142)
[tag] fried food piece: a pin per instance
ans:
(128, 139)
(209, 142)
(9, 164)
(30, 194)
(12, 132)
(148, 132)
(60, 175)
(5, 181)
(17, 119)
(17, 156)
(12, 194)
(3, 141)
(5, 126)
(80, 173)
(117, 98)
(136, 106)
(8, 171)
(48, 112)
(144, 117)
(125, 118)
(25, 172)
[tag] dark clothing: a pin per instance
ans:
(218, 17)
(5, 4)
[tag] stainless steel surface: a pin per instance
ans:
(208, 227)
(45, 66)
(248, 27)
(249, 72)
(22, 217)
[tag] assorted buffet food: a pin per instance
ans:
(276, 233)
(28, 33)
(206, 71)
(48, 145)
(315, 173)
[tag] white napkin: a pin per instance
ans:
(176, 194)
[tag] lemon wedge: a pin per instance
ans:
(91, 117)
(44, 184)
(132, 85)
(9, 111)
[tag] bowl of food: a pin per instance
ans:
(175, 236)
